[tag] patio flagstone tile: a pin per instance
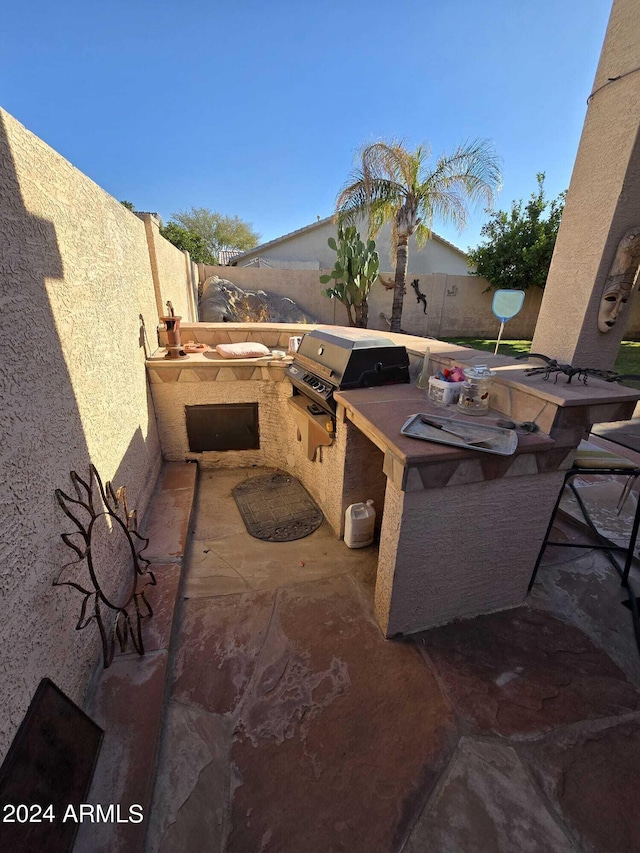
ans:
(203, 562)
(580, 587)
(266, 565)
(292, 725)
(487, 803)
(340, 735)
(591, 775)
(156, 630)
(522, 671)
(216, 514)
(207, 586)
(167, 524)
(128, 706)
(190, 802)
(178, 475)
(207, 574)
(216, 649)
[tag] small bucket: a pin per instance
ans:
(443, 393)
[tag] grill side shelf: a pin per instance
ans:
(313, 430)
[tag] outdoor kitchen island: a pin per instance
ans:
(460, 529)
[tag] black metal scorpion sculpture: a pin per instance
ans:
(583, 373)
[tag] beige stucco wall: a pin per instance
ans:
(415, 590)
(602, 204)
(456, 307)
(75, 277)
(172, 273)
(456, 304)
(310, 245)
(632, 320)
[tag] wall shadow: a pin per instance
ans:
(43, 440)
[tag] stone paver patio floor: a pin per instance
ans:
(293, 726)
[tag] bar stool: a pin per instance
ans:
(593, 462)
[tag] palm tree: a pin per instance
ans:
(394, 184)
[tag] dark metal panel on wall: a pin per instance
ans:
(223, 426)
(47, 773)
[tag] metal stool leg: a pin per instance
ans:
(608, 548)
(549, 528)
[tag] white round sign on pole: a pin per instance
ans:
(506, 304)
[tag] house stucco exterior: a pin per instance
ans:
(308, 249)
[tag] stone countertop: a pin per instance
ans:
(211, 358)
(560, 392)
(381, 412)
(511, 372)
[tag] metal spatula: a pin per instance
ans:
(468, 438)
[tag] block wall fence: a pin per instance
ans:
(79, 273)
(456, 304)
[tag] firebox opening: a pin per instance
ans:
(223, 426)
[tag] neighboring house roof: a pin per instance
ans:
(319, 224)
(225, 256)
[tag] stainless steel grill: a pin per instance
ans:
(329, 361)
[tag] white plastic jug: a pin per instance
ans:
(359, 521)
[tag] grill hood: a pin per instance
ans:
(329, 361)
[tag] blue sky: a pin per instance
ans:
(258, 108)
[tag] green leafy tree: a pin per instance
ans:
(396, 185)
(354, 272)
(518, 246)
(128, 205)
(188, 241)
(218, 231)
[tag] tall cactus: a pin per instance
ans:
(354, 272)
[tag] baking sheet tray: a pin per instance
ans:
(499, 440)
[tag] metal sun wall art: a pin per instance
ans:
(95, 513)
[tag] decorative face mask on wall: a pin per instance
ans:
(620, 281)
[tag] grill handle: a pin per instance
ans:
(313, 366)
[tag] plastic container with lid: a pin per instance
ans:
(443, 393)
(474, 393)
(359, 521)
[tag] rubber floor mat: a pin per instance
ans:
(277, 508)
